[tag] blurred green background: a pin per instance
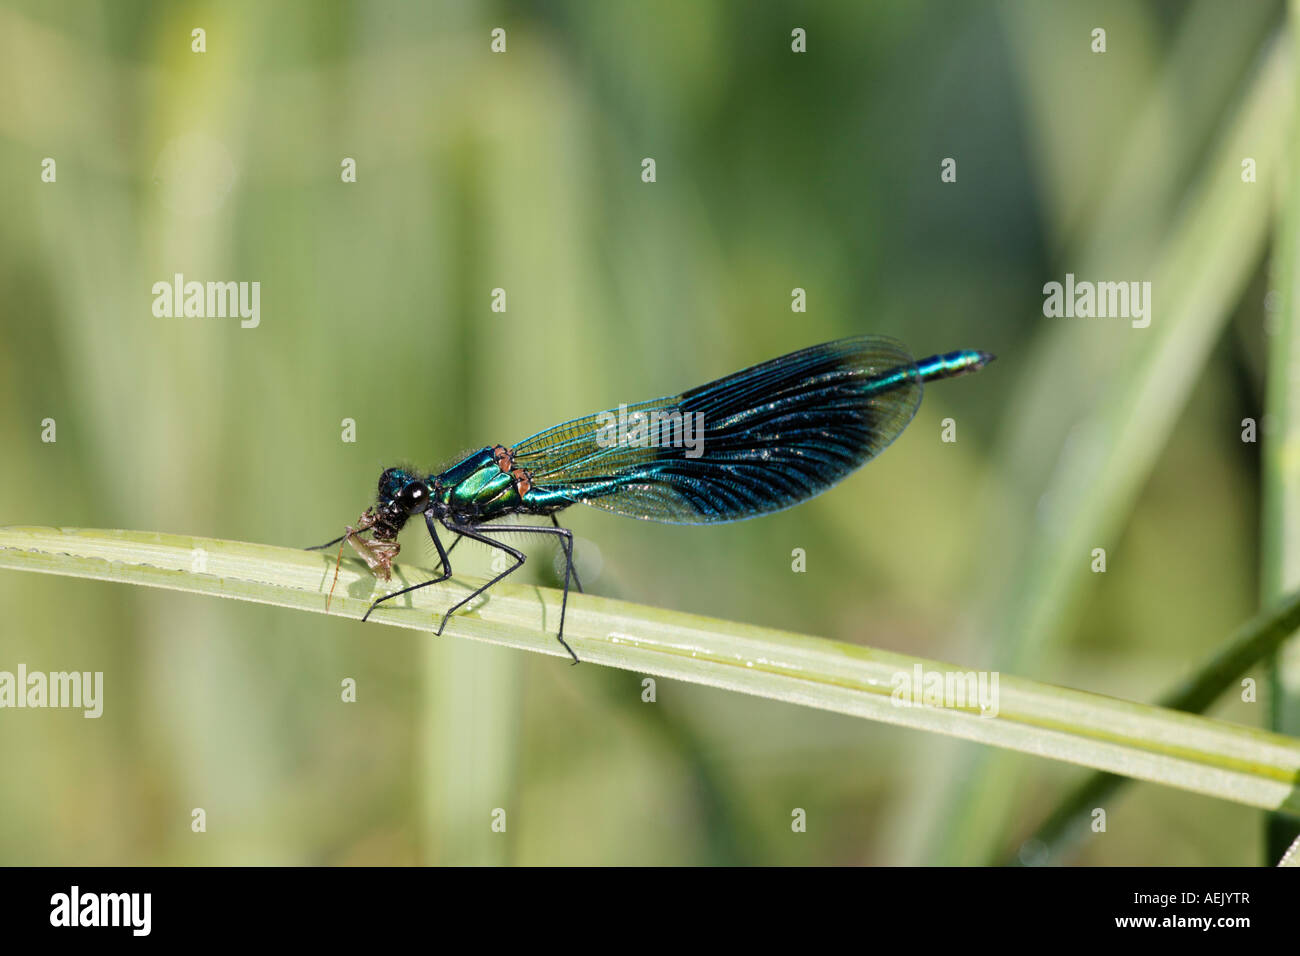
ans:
(522, 170)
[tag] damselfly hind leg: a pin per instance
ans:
(573, 568)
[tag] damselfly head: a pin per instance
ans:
(401, 495)
(391, 482)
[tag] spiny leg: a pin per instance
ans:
(567, 540)
(442, 555)
(565, 535)
(459, 538)
(469, 532)
(442, 559)
(573, 568)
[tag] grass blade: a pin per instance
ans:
(1292, 856)
(1256, 640)
(1193, 753)
(1280, 466)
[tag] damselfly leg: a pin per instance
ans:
(566, 540)
(573, 568)
(443, 559)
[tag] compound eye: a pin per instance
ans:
(413, 496)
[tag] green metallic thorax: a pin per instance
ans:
(477, 486)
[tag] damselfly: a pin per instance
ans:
(758, 441)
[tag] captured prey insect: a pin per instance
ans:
(755, 442)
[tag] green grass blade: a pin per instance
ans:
(1150, 743)
(1292, 855)
(1280, 465)
(1253, 642)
